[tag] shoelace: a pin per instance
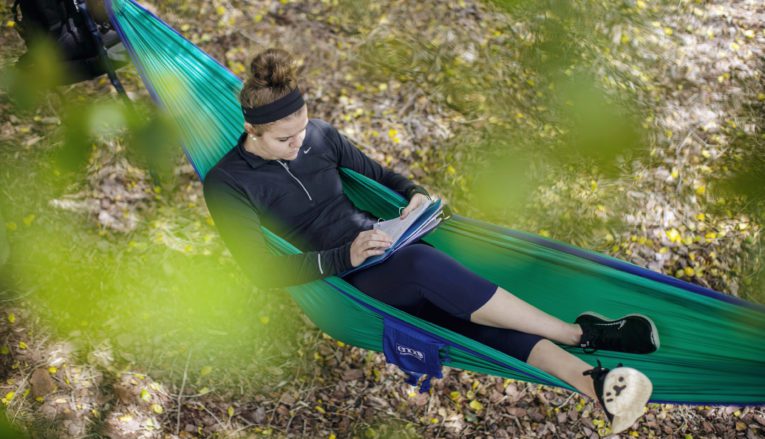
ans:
(603, 335)
(598, 377)
(596, 372)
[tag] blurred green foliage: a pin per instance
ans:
(533, 105)
(7, 431)
(533, 113)
(30, 87)
(153, 301)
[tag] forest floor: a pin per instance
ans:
(105, 327)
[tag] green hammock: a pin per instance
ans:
(713, 345)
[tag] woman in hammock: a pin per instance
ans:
(283, 173)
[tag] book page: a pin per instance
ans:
(396, 227)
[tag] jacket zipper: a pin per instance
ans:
(284, 165)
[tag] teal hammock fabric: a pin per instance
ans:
(713, 345)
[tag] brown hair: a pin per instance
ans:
(273, 75)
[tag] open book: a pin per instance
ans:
(403, 231)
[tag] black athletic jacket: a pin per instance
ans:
(301, 200)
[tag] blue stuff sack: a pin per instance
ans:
(413, 351)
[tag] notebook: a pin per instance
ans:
(403, 231)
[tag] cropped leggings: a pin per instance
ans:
(425, 282)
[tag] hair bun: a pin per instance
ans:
(273, 68)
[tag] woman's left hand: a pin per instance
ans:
(414, 203)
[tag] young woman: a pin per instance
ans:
(283, 174)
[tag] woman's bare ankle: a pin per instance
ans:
(576, 334)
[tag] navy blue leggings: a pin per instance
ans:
(423, 281)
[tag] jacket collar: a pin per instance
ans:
(255, 161)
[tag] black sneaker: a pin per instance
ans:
(622, 393)
(634, 333)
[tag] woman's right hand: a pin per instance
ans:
(369, 243)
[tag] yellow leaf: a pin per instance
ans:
(230, 411)
(220, 10)
(22, 345)
(689, 271)
(320, 409)
(673, 235)
(450, 169)
(11, 317)
(700, 216)
(11, 226)
(668, 31)
(145, 395)
(205, 370)
(53, 370)
(332, 436)
(156, 408)
(710, 235)
(10, 23)
(29, 219)
(475, 405)
(4, 350)
(701, 190)
(264, 320)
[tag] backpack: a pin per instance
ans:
(88, 47)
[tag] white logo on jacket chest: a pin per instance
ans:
(305, 151)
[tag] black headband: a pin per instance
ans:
(278, 109)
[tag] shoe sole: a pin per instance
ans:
(654, 332)
(626, 392)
